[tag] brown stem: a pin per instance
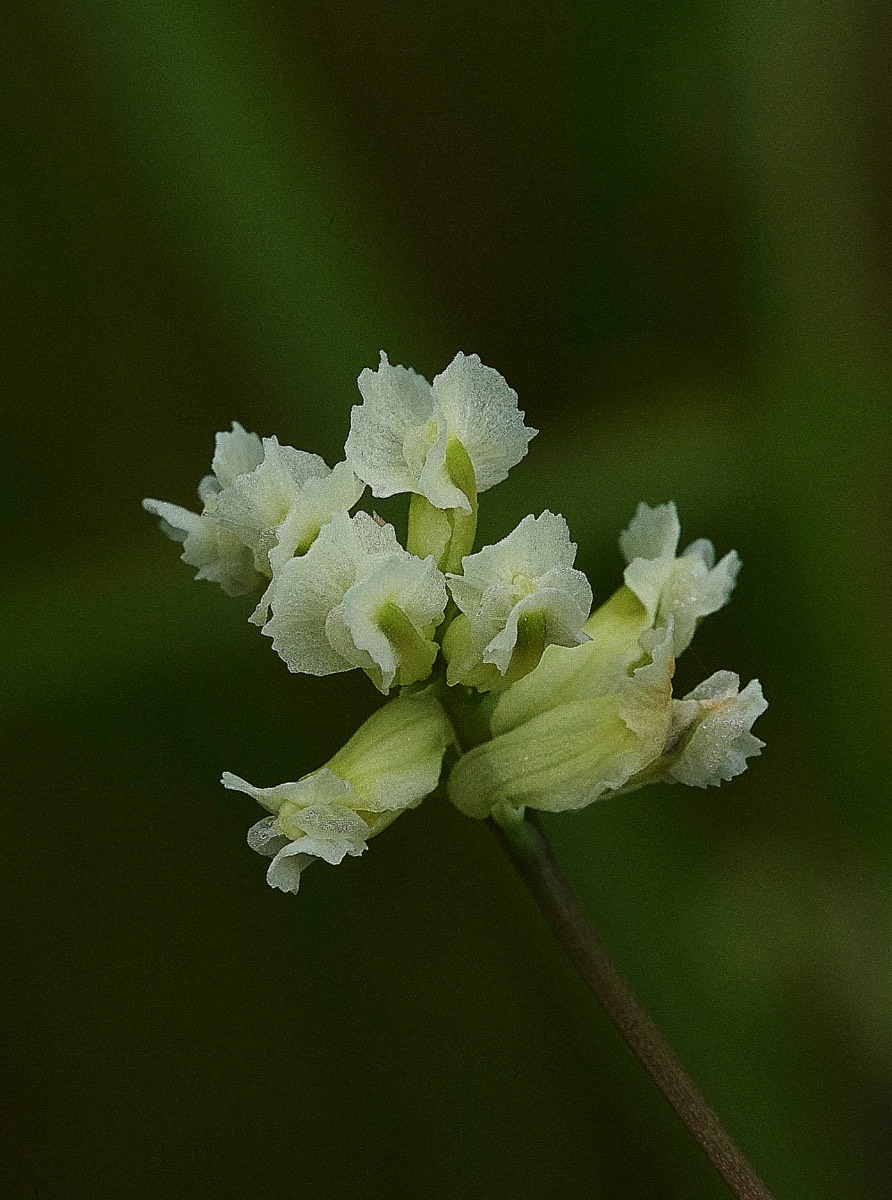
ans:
(530, 851)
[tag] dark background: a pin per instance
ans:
(669, 227)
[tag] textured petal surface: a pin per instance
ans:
(389, 434)
(480, 409)
(681, 589)
(236, 452)
(721, 742)
(528, 572)
(255, 504)
(217, 556)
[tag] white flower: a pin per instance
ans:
(684, 588)
(358, 599)
(218, 555)
(284, 501)
(517, 597)
(401, 435)
(390, 764)
(713, 725)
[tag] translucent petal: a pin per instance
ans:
(265, 838)
(480, 409)
(652, 533)
(384, 446)
(236, 452)
(218, 556)
(721, 741)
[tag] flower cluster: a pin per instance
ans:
(533, 700)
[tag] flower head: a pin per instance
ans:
(516, 598)
(402, 436)
(577, 707)
(358, 599)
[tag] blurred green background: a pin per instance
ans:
(669, 227)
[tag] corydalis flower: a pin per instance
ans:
(389, 765)
(685, 588)
(263, 503)
(400, 435)
(358, 599)
(516, 598)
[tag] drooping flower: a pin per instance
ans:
(686, 587)
(389, 765)
(406, 432)
(516, 598)
(358, 599)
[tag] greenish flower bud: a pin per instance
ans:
(585, 745)
(390, 764)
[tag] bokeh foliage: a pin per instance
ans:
(668, 227)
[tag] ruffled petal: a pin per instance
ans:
(480, 409)
(218, 556)
(389, 435)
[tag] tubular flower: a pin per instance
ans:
(358, 599)
(516, 598)
(540, 704)
(390, 764)
(263, 503)
(686, 587)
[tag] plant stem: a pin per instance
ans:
(530, 851)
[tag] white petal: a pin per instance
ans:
(265, 837)
(684, 589)
(235, 453)
(652, 533)
(218, 556)
(320, 787)
(387, 431)
(308, 588)
(529, 571)
(721, 742)
(327, 605)
(255, 504)
(480, 409)
(287, 867)
(318, 500)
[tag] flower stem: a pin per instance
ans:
(528, 848)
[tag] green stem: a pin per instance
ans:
(530, 851)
